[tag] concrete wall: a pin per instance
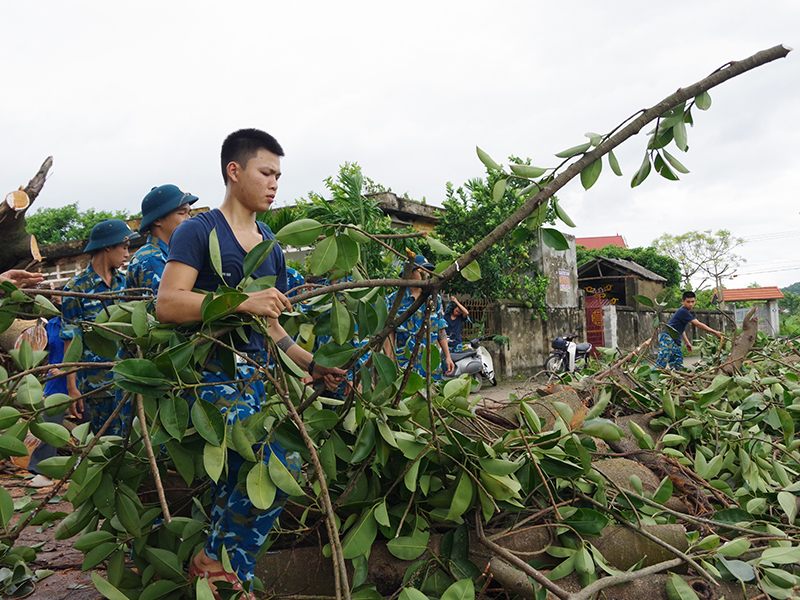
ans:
(530, 335)
(560, 267)
(635, 327)
(767, 315)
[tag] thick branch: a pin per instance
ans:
(651, 114)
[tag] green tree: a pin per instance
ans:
(649, 258)
(352, 201)
(472, 212)
(65, 223)
(702, 255)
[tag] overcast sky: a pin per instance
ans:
(126, 96)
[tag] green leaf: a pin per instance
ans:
(341, 322)
(139, 319)
(385, 367)
(11, 446)
(221, 306)
(166, 563)
(6, 507)
(208, 421)
(282, 478)
(260, 488)
(347, 253)
(30, 391)
(570, 152)
(676, 164)
(105, 588)
(562, 214)
(365, 442)
(788, 503)
(359, 537)
(214, 253)
(678, 589)
(256, 257)
(644, 301)
(462, 499)
(781, 555)
(300, 233)
(214, 460)
(73, 352)
(242, 443)
(357, 236)
(643, 171)
(487, 160)
(8, 416)
(127, 513)
(54, 434)
(412, 594)
(735, 547)
(460, 590)
(703, 101)
(614, 163)
(174, 413)
(323, 258)
(438, 247)
(591, 173)
(663, 169)
(160, 588)
(472, 272)
(98, 554)
(499, 189)
(409, 547)
(555, 239)
(527, 170)
(679, 131)
(603, 429)
(333, 355)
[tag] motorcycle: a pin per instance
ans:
(566, 354)
(476, 362)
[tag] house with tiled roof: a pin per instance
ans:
(767, 313)
(595, 243)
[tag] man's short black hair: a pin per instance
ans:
(688, 294)
(244, 144)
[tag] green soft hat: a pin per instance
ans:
(109, 232)
(161, 201)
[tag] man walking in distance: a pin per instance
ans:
(251, 167)
(669, 348)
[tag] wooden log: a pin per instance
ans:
(17, 247)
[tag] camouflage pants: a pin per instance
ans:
(669, 352)
(235, 522)
(100, 409)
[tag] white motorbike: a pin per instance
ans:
(566, 354)
(476, 362)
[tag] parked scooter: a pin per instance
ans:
(477, 363)
(566, 354)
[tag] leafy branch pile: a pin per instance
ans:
(400, 462)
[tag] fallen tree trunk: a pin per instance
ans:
(289, 572)
(743, 344)
(18, 248)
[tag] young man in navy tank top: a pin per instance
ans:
(251, 167)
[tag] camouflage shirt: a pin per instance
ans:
(405, 335)
(147, 265)
(75, 310)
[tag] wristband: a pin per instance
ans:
(311, 366)
(285, 343)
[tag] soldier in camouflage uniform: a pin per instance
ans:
(108, 244)
(403, 341)
(163, 209)
(250, 169)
